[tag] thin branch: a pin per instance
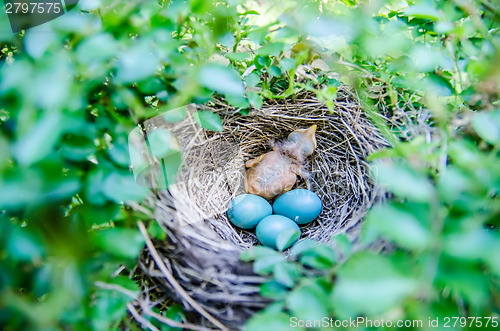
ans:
(172, 323)
(139, 318)
(114, 287)
(170, 278)
(146, 310)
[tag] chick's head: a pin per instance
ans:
(302, 143)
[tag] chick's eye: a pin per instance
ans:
(294, 137)
(307, 150)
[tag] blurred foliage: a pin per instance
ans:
(72, 89)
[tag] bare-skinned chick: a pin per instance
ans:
(276, 172)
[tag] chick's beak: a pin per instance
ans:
(310, 134)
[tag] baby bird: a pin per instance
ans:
(276, 172)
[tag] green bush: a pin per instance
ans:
(72, 89)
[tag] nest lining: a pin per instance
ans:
(202, 246)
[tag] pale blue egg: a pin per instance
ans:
(246, 210)
(300, 205)
(268, 232)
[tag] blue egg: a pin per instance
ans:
(300, 205)
(246, 210)
(270, 229)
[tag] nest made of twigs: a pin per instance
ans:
(201, 267)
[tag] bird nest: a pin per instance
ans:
(198, 263)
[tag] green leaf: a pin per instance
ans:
(221, 79)
(286, 273)
(466, 281)
(156, 231)
(97, 48)
(343, 242)
(403, 149)
(59, 187)
(308, 303)
(399, 225)
(109, 307)
(423, 11)
(288, 64)
(439, 85)
(208, 120)
(404, 181)
(119, 153)
(262, 62)
(40, 140)
(25, 246)
(162, 95)
(487, 126)
(201, 6)
(255, 99)
(42, 279)
(273, 289)
(122, 187)
(329, 93)
(151, 85)
(250, 12)
(137, 63)
(265, 264)
(491, 257)
(302, 247)
(258, 34)
(465, 154)
(94, 186)
(318, 257)
(237, 101)
(273, 49)
(453, 182)
(174, 115)
(176, 313)
(274, 71)
(325, 26)
(275, 307)
(77, 148)
(93, 215)
(36, 44)
(170, 166)
(253, 79)
(472, 245)
(274, 322)
(120, 242)
(370, 284)
(287, 238)
(257, 252)
(238, 57)
(126, 283)
(426, 58)
(160, 142)
(19, 187)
